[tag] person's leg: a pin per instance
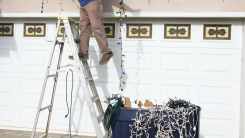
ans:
(85, 30)
(95, 12)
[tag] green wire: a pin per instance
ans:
(111, 113)
(67, 102)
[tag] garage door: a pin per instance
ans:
(195, 59)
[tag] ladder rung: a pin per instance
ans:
(95, 98)
(43, 135)
(89, 78)
(62, 18)
(52, 75)
(46, 107)
(65, 70)
(59, 42)
(100, 118)
(68, 65)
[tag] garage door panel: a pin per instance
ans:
(10, 112)
(135, 90)
(212, 96)
(215, 64)
(179, 63)
(175, 90)
(207, 64)
(220, 97)
(6, 57)
(221, 64)
(28, 114)
(6, 85)
(219, 125)
(78, 119)
(6, 117)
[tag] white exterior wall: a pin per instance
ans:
(206, 72)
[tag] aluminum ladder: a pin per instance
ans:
(82, 68)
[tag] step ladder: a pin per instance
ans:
(82, 68)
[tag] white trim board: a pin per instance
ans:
(242, 113)
(133, 15)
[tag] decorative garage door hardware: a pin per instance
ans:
(62, 29)
(109, 30)
(177, 31)
(6, 29)
(170, 123)
(139, 31)
(85, 78)
(217, 32)
(34, 29)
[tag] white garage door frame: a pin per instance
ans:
(242, 114)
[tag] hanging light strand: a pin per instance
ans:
(42, 6)
(122, 12)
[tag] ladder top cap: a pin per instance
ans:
(63, 17)
(66, 18)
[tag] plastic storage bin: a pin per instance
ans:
(121, 128)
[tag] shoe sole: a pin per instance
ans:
(107, 60)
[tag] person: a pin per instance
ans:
(91, 16)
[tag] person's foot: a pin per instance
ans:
(80, 56)
(105, 58)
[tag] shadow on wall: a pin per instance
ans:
(80, 97)
(7, 39)
(8, 47)
(140, 55)
(61, 4)
(101, 81)
(102, 73)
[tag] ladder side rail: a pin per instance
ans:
(87, 70)
(93, 87)
(45, 82)
(94, 92)
(81, 75)
(93, 113)
(54, 88)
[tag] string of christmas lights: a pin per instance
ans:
(168, 122)
(42, 6)
(122, 13)
(176, 103)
